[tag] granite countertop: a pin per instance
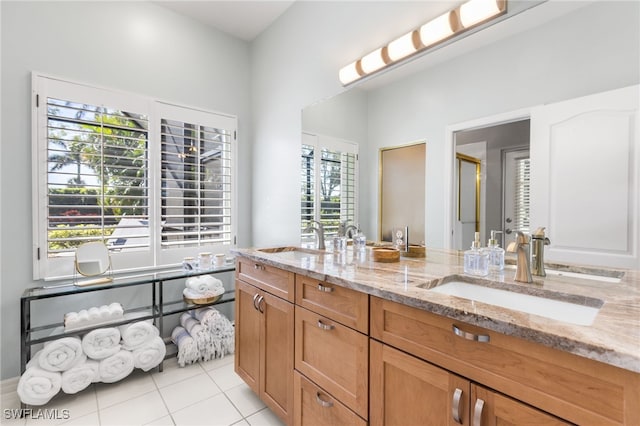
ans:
(613, 338)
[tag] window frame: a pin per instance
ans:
(46, 86)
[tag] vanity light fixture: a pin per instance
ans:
(456, 21)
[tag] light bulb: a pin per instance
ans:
(349, 73)
(475, 11)
(401, 47)
(372, 62)
(436, 30)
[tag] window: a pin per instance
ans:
(523, 194)
(328, 183)
(153, 181)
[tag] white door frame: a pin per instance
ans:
(491, 120)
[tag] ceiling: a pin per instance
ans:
(244, 19)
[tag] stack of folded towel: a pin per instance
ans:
(106, 355)
(203, 334)
(93, 316)
(202, 287)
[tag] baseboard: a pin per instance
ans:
(9, 385)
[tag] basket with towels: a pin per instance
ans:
(202, 289)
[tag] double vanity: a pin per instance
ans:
(336, 338)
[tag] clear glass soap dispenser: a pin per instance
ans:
(476, 260)
(495, 252)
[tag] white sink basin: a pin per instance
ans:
(569, 312)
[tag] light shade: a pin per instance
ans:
(373, 61)
(475, 11)
(401, 47)
(436, 30)
(349, 73)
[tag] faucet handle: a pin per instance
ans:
(522, 238)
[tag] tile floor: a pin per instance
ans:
(207, 393)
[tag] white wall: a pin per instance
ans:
(295, 63)
(134, 46)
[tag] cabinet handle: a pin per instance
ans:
(258, 266)
(322, 402)
(477, 412)
(456, 407)
(483, 338)
(260, 305)
(324, 288)
(255, 297)
(324, 326)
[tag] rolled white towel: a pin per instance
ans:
(61, 354)
(116, 367)
(150, 354)
(101, 342)
(38, 386)
(187, 347)
(136, 334)
(204, 283)
(80, 377)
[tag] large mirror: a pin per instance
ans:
(527, 60)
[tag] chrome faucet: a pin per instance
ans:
(521, 248)
(319, 230)
(344, 229)
(538, 241)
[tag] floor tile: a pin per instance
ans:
(188, 392)
(136, 411)
(92, 419)
(173, 373)
(217, 363)
(138, 383)
(264, 418)
(241, 423)
(63, 407)
(215, 411)
(225, 377)
(243, 398)
(163, 421)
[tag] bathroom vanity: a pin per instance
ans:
(332, 339)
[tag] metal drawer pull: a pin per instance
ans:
(325, 326)
(255, 297)
(324, 288)
(456, 407)
(258, 266)
(322, 402)
(260, 305)
(484, 338)
(477, 412)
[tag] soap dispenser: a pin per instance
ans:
(495, 252)
(476, 260)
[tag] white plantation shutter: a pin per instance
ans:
(196, 169)
(153, 181)
(522, 200)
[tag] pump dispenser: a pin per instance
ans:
(476, 260)
(495, 252)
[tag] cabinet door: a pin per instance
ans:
(315, 407)
(491, 409)
(276, 345)
(408, 391)
(247, 340)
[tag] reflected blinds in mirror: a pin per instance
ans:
(196, 183)
(522, 200)
(97, 176)
(328, 183)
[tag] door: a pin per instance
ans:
(408, 391)
(490, 408)
(587, 202)
(247, 341)
(516, 193)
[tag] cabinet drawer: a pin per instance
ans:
(572, 387)
(315, 407)
(346, 306)
(276, 281)
(333, 356)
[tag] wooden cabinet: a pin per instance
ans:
(570, 387)
(264, 346)
(406, 390)
(314, 406)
